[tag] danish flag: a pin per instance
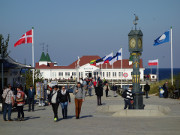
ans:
(26, 38)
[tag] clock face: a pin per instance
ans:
(139, 43)
(132, 43)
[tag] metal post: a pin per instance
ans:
(138, 98)
(2, 76)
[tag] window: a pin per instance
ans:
(53, 74)
(109, 74)
(60, 73)
(103, 74)
(67, 73)
(120, 74)
(73, 73)
(114, 74)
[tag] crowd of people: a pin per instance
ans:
(57, 96)
(60, 96)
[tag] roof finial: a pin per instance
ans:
(47, 48)
(42, 46)
(135, 20)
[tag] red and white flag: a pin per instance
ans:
(153, 62)
(26, 38)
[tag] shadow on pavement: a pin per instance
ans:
(86, 116)
(25, 110)
(30, 117)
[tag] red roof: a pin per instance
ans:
(86, 59)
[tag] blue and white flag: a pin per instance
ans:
(108, 58)
(119, 54)
(162, 39)
(117, 57)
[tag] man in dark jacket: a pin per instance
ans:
(31, 94)
(99, 91)
(146, 89)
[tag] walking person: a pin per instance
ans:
(8, 98)
(20, 99)
(79, 98)
(114, 88)
(54, 100)
(64, 99)
(90, 85)
(146, 89)
(99, 91)
(128, 100)
(106, 88)
(31, 94)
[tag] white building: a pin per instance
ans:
(50, 70)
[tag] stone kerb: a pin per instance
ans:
(150, 110)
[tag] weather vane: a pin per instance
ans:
(135, 20)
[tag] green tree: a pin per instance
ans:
(29, 80)
(4, 46)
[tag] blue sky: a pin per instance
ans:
(74, 28)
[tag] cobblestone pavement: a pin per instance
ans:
(91, 122)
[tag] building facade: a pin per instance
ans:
(51, 71)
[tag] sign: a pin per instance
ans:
(125, 75)
(39, 90)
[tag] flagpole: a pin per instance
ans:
(112, 70)
(33, 52)
(171, 59)
(121, 67)
(158, 71)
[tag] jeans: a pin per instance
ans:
(115, 94)
(20, 111)
(90, 91)
(146, 94)
(9, 107)
(127, 103)
(31, 102)
(64, 109)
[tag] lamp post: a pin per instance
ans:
(135, 49)
(2, 58)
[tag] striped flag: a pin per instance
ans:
(153, 62)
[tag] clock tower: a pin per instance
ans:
(135, 39)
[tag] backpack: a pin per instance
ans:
(124, 94)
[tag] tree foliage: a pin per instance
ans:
(4, 46)
(29, 77)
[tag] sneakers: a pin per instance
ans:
(55, 119)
